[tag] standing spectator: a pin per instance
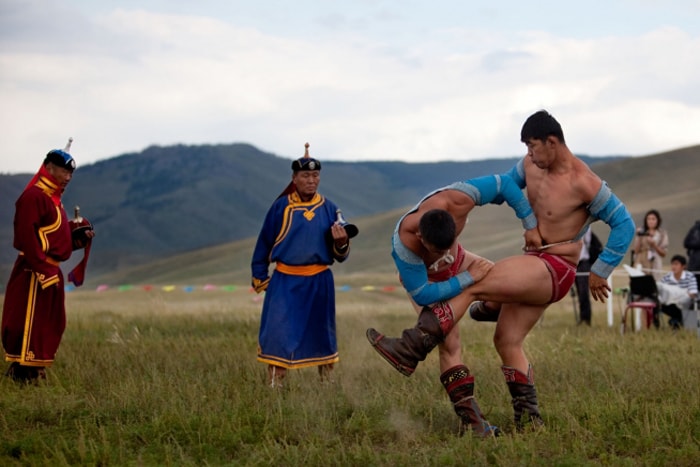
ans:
(692, 245)
(302, 234)
(684, 280)
(34, 314)
(651, 245)
(589, 254)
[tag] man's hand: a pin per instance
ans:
(533, 240)
(599, 287)
(260, 285)
(479, 268)
(340, 236)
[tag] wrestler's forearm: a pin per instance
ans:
(424, 292)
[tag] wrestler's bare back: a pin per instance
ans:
(459, 205)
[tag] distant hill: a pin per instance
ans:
(169, 200)
(190, 212)
(666, 181)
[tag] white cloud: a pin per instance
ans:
(124, 79)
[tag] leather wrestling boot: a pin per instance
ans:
(459, 385)
(404, 353)
(522, 389)
(480, 312)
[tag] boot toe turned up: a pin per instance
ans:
(386, 347)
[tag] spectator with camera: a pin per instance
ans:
(650, 245)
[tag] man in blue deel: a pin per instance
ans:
(303, 234)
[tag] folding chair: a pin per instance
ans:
(642, 295)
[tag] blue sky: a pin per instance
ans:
(414, 80)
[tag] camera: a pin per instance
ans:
(643, 234)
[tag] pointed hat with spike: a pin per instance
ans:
(306, 162)
(62, 157)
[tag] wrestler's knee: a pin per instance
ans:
(505, 341)
(499, 341)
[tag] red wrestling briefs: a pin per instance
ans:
(563, 273)
(450, 271)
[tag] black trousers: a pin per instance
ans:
(675, 314)
(583, 292)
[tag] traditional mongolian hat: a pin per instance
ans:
(306, 162)
(62, 157)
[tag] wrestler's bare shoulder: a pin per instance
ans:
(586, 182)
(449, 200)
(408, 228)
(408, 234)
(456, 199)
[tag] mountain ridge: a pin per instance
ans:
(172, 201)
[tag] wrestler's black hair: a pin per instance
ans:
(438, 228)
(541, 125)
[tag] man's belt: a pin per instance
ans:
(306, 270)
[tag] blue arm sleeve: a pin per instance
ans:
(414, 277)
(608, 208)
(517, 174)
(495, 189)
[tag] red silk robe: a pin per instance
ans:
(34, 315)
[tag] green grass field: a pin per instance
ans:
(156, 378)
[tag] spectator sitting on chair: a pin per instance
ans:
(676, 302)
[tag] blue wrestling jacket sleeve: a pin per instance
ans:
(414, 277)
(491, 189)
(495, 189)
(608, 208)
